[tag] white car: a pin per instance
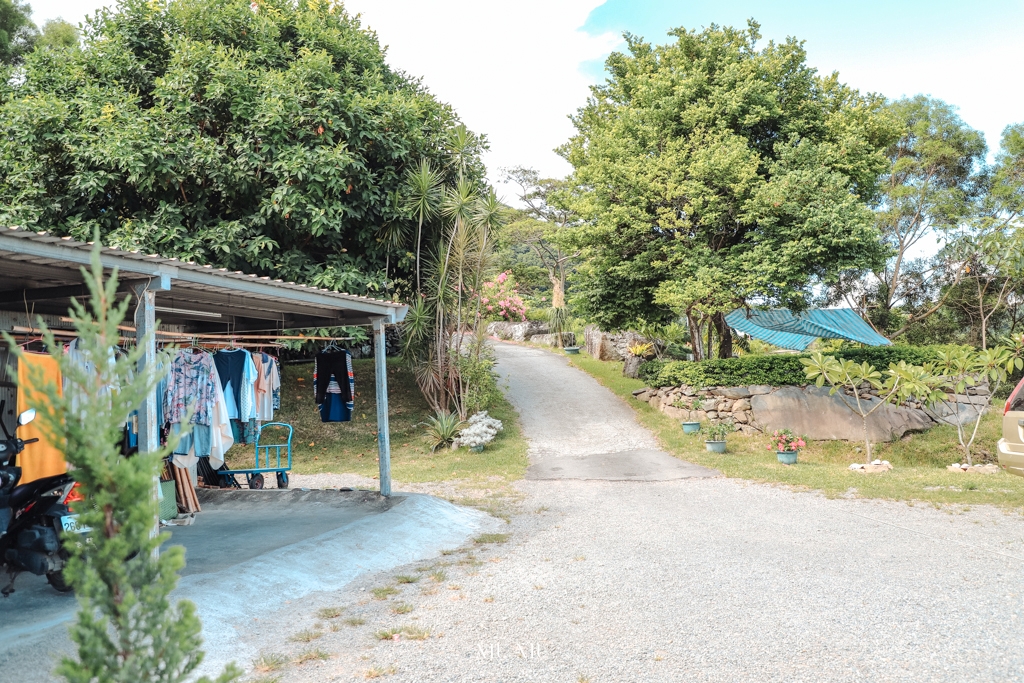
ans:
(1011, 446)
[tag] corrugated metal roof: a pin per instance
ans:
(789, 330)
(42, 249)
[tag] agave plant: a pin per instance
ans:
(443, 428)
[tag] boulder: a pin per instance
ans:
(741, 417)
(812, 412)
(946, 412)
(675, 413)
(517, 331)
(733, 392)
(758, 389)
(568, 339)
(742, 404)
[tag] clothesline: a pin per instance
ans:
(185, 336)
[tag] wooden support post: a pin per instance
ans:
(145, 335)
(380, 367)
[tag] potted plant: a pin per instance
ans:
(716, 436)
(787, 445)
(690, 427)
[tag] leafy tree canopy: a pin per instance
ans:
(17, 32)
(265, 136)
(711, 174)
(57, 33)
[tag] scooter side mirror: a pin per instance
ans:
(27, 416)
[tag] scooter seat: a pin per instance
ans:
(21, 495)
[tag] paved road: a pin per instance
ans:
(248, 554)
(697, 579)
(577, 428)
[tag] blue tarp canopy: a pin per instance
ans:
(796, 331)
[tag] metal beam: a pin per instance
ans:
(380, 370)
(18, 296)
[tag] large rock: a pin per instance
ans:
(733, 392)
(517, 331)
(568, 339)
(608, 345)
(947, 412)
(811, 412)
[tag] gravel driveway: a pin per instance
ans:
(695, 579)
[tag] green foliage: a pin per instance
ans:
(127, 630)
(732, 372)
(268, 137)
(59, 34)
(710, 171)
(443, 428)
(775, 369)
(716, 432)
(17, 32)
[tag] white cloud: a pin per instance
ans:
(511, 70)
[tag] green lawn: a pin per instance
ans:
(919, 460)
(351, 447)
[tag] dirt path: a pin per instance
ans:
(688, 579)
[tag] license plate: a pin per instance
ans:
(70, 523)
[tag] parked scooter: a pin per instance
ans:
(33, 515)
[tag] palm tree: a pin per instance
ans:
(424, 186)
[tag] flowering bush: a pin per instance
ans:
(481, 430)
(499, 299)
(783, 440)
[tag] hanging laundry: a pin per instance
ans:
(334, 385)
(267, 383)
(277, 386)
(40, 459)
(211, 440)
(238, 377)
(190, 385)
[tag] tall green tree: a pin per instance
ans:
(268, 136)
(544, 225)
(935, 175)
(712, 173)
(57, 33)
(17, 32)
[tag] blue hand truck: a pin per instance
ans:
(254, 476)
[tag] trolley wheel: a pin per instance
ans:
(256, 481)
(282, 480)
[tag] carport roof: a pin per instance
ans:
(39, 273)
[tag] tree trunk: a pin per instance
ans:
(557, 291)
(867, 441)
(724, 336)
(696, 341)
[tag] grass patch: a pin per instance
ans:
(384, 592)
(351, 447)
(919, 460)
(438, 575)
(355, 621)
(267, 679)
(405, 578)
(330, 612)
(312, 655)
(401, 608)
(491, 538)
(379, 671)
(269, 661)
(306, 636)
(406, 632)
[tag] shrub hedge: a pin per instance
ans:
(776, 370)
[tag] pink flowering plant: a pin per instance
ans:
(500, 300)
(783, 440)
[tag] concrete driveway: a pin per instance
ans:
(251, 552)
